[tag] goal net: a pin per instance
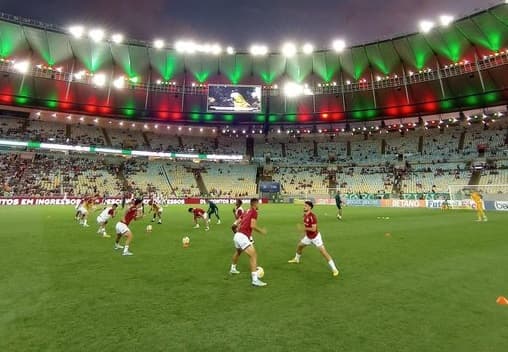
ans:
(460, 195)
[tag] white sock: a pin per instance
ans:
(254, 276)
(331, 263)
(233, 266)
(298, 256)
(126, 249)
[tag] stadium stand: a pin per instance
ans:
(419, 160)
(232, 180)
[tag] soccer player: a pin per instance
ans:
(213, 210)
(312, 236)
(200, 213)
(338, 203)
(242, 241)
(157, 210)
(122, 227)
(77, 217)
(445, 205)
(237, 212)
(103, 218)
(480, 211)
(83, 210)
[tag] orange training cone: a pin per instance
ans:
(502, 300)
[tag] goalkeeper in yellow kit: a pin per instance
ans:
(480, 211)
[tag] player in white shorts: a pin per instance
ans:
(134, 212)
(312, 236)
(242, 242)
(103, 218)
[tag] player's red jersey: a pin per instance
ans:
(198, 213)
(309, 220)
(130, 215)
(238, 213)
(244, 226)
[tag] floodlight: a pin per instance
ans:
(292, 89)
(339, 45)
(426, 26)
(216, 49)
(99, 79)
(117, 38)
(230, 50)
(77, 31)
(22, 66)
(96, 35)
(445, 20)
(308, 48)
(79, 75)
(289, 50)
(191, 47)
(258, 50)
(119, 82)
(158, 43)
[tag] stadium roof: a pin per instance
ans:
(449, 68)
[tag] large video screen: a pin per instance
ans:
(238, 99)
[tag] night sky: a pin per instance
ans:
(241, 23)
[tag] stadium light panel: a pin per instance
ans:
(96, 35)
(99, 79)
(77, 31)
(445, 20)
(308, 48)
(230, 50)
(158, 43)
(117, 38)
(289, 50)
(339, 45)
(22, 66)
(426, 26)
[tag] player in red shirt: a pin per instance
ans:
(237, 212)
(134, 212)
(200, 213)
(312, 236)
(242, 240)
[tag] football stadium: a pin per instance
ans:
(161, 196)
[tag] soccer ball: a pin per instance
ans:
(261, 272)
(148, 228)
(186, 241)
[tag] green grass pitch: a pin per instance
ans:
(431, 285)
